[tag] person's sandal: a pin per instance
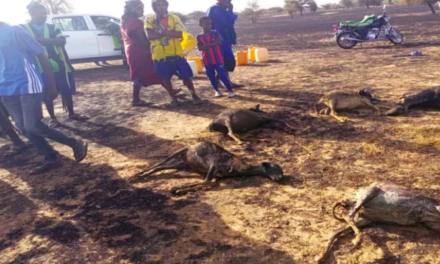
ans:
(48, 166)
(54, 123)
(196, 100)
(80, 151)
(139, 103)
(174, 104)
(78, 117)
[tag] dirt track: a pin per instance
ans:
(88, 213)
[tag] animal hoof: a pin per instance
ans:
(249, 147)
(319, 259)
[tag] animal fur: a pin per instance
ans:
(429, 98)
(388, 204)
(232, 121)
(337, 100)
(213, 161)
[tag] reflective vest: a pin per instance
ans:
(59, 51)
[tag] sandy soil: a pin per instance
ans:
(89, 213)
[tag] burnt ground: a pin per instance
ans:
(89, 213)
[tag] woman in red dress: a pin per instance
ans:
(137, 50)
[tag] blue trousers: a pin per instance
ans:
(211, 71)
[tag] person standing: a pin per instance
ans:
(21, 92)
(137, 48)
(209, 42)
(223, 20)
(53, 42)
(165, 33)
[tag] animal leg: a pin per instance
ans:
(368, 196)
(197, 186)
(379, 113)
(278, 124)
(334, 114)
(172, 156)
(325, 111)
(346, 204)
(433, 225)
(179, 166)
(231, 132)
(341, 232)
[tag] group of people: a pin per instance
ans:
(157, 56)
(35, 68)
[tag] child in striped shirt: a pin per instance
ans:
(209, 43)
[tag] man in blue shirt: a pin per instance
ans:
(223, 20)
(21, 92)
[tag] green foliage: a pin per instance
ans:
(313, 6)
(347, 3)
(56, 7)
(253, 11)
(293, 6)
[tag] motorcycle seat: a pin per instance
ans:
(368, 20)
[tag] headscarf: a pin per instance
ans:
(34, 6)
(154, 2)
(130, 6)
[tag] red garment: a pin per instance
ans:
(138, 56)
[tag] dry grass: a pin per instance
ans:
(88, 213)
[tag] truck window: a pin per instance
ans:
(102, 22)
(71, 23)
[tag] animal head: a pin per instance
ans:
(273, 171)
(215, 127)
(366, 94)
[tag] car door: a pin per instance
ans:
(108, 43)
(81, 41)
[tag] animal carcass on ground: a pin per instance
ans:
(213, 161)
(388, 204)
(233, 121)
(339, 100)
(429, 98)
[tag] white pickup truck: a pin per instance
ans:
(87, 39)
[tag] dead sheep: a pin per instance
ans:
(214, 162)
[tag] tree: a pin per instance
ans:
(431, 4)
(253, 11)
(327, 6)
(313, 6)
(366, 3)
(347, 3)
(275, 10)
(196, 15)
(56, 7)
(292, 6)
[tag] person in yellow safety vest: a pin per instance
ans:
(53, 42)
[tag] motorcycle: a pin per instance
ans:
(372, 28)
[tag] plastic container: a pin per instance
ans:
(198, 63)
(242, 58)
(189, 42)
(261, 55)
(251, 53)
(193, 66)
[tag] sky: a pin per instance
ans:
(14, 11)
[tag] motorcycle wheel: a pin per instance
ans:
(395, 36)
(344, 42)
